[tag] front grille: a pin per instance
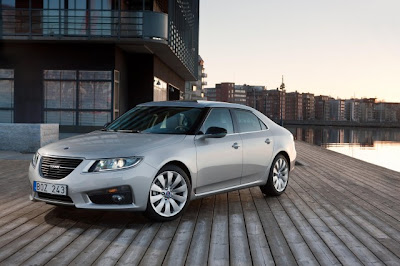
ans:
(54, 197)
(57, 168)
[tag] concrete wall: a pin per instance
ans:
(27, 137)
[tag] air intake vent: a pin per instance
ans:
(57, 168)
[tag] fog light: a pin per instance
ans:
(117, 198)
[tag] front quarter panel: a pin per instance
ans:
(183, 152)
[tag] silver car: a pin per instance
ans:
(160, 155)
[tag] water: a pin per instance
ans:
(380, 146)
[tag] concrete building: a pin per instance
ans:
(275, 104)
(367, 109)
(386, 112)
(293, 106)
(352, 110)
(84, 63)
(194, 90)
(337, 110)
(322, 107)
(211, 94)
(227, 92)
(255, 96)
(308, 106)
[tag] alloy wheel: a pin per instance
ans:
(168, 193)
(280, 175)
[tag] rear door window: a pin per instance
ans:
(247, 121)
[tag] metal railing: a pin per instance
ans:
(81, 23)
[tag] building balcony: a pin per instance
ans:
(203, 75)
(167, 35)
(44, 24)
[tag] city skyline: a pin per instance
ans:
(340, 49)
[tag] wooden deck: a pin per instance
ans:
(336, 210)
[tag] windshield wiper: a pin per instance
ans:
(128, 130)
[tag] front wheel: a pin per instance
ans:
(169, 194)
(278, 178)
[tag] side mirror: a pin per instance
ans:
(215, 132)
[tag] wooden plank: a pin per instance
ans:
(298, 246)
(102, 241)
(22, 229)
(53, 248)
(219, 241)
(33, 242)
(327, 199)
(259, 248)
(117, 248)
(318, 247)
(279, 248)
(199, 246)
(238, 243)
(69, 253)
(159, 246)
(357, 247)
(138, 247)
(335, 244)
(179, 247)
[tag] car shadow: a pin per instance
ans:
(65, 216)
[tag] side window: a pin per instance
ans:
(247, 121)
(218, 117)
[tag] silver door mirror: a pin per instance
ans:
(215, 132)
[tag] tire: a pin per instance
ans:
(278, 178)
(169, 194)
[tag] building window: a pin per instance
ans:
(81, 98)
(6, 95)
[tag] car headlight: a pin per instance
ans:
(35, 159)
(114, 164)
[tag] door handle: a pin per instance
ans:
(235, 145)
(267, 141)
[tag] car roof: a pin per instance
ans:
(198, 104)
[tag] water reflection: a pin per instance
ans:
(374, 145)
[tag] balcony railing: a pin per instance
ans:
(33, 23)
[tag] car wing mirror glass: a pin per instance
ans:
(215, 132)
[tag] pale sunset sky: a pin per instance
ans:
(341, 48)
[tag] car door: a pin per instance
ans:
(219, 160)
(257, 145)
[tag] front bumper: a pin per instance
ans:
(81, 185)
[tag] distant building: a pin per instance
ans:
(275, 104)
(293, 106)
(367, 109)
(255, 96)
(211, 94)
(308, 106)
(194, 90)
(386, 112)
(352, 110)
(322, 107)
(337, 110)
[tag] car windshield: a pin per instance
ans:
(157, 120)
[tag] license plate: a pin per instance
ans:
(50, 188)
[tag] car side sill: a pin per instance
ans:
(222, 190)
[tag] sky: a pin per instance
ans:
(341, 48)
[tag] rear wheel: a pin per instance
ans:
(278, 178)
(169, 194)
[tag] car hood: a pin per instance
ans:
(101, 144)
